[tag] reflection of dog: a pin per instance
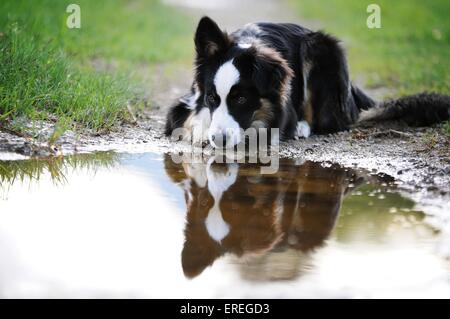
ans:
(233, 209)
(270, 75)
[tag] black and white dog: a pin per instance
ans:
(284, 76)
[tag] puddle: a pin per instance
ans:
(140, 225)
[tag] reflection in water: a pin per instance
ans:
(73, 227)
(273, 221)
(33, 169)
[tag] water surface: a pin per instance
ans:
(141, 225)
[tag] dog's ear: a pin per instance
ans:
(271, 73)
(209, 39)
(267, 69)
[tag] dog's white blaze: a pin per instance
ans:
(218, 183)
(217, 228)
(227, 76)
(222, 122)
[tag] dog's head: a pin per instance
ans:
(242, 84)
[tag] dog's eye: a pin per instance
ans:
(241, 100)
(211, 98)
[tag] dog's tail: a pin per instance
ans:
(415, 110)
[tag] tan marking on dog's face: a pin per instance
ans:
(264, 114)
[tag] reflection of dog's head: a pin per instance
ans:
(236, 210)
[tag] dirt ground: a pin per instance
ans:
(417, 157)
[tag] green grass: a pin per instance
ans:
(56, 167)
(411, 51)
(84, 76)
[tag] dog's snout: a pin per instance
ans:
(224, 138)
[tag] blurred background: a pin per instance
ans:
(139, 52)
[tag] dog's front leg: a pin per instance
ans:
(200, 124)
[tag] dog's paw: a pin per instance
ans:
(199, 136)
(303, 130)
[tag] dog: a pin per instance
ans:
(231, 209)
(284, 76)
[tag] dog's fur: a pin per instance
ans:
(284, 76)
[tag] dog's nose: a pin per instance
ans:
(219, 139)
